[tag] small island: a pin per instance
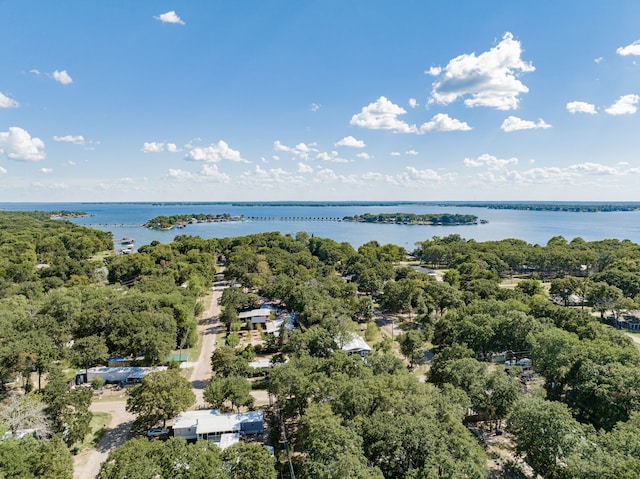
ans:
(64, 214)
(181, 221)
(415, 219)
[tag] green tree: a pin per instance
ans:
(545, 434)
(236, 390)
(249, 461)
(68, 409)
(411, 346)
(161, 396)
(225, 362)
(89, 351)
(143, 459)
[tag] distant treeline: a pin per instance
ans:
(168, 222)
(535, 206)
(414, 219)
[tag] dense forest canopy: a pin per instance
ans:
(414, 219)
(67, 301)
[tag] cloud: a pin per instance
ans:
(315, 107)
(416, 177)
(581, 107)
(34, 71)
(301, 150)
(17, 144)
(413, 102)
(632, 49)
(433, 71)
(170, 17)
(304, 168)
(2, 170)
(490, 162)
(382, 115)
(46, 170)
(7, 102)
(159, 147)
(411, 153)
(62, 77)
(76, 140)
(598, 60)
(490, 79)
(626, 105)
(395, 153)
(594, 169)
(364, 156)
(208, 173)
(331, 156)
(442, 122)
(350, 141)
(215, 153)
(513, 123)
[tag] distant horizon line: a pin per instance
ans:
(334, 202)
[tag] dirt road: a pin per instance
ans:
(87, 464)
(208, 328)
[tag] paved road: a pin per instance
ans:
(87, 464)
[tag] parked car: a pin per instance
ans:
(158, 433)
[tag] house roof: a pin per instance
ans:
(356, 344)
(263, 312)
(210, 421)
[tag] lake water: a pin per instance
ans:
(535, 227)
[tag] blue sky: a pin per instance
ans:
(319, 100)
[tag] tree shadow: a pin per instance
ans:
(115, 437)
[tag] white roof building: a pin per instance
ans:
(357, 345)
(223, 429)
(257, 316)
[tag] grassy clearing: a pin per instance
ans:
(98, 427)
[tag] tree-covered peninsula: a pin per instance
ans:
(180, 221)
(414, 219)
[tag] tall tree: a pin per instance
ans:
(161, 396)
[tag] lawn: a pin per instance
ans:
(98, 427)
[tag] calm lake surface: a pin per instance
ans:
(535, 227)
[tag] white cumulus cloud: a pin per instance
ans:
(46, 170)
(632, 49)
(7, 102)
(301, 150)
(62, 77)
(170, 17)
(489, 79)
(413, 102)
(18, 144)
(594, 169)
(581, 107)
(364, 156)
(351, 141)
(626, 105)
(304, 168)
(159, 147)
(75, 139)
(382, 115)
(490, 162)
(215, 153)
(513, 123)
(443, 122)
(331, 156)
